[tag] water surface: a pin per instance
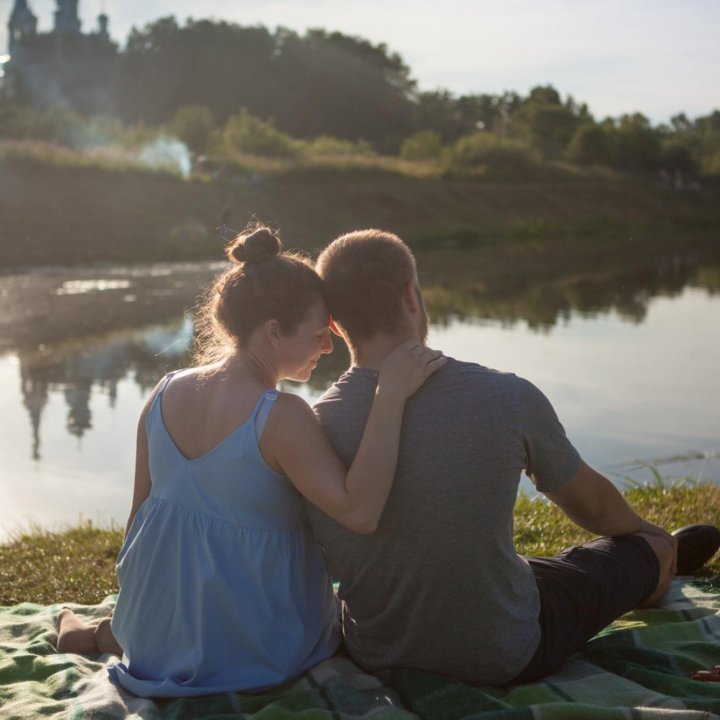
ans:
(627, 349)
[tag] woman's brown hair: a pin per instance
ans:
(263, 284)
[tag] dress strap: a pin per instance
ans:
(264, 407)
(168, 377)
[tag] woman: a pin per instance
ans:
(222, 589)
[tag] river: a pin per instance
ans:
(626, 347)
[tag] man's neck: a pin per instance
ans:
(370, 353)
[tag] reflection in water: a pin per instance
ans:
(47, 316)
(144, 354)
(541, 286)
(34, 388)
(91, 334)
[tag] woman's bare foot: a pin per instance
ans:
(105, 640)
(74, 635)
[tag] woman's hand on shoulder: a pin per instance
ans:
(405, 370)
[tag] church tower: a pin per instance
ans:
(66, 17)
(103, 21)
(22, 24)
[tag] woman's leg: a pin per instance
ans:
(76, 636)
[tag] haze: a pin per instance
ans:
(653, 56)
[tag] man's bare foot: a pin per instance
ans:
(105, 640)
(74, 635)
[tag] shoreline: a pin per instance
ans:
(94, 214)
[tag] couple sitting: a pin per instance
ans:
(407, 483)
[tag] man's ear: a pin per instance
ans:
(272, 331)
(410, 297)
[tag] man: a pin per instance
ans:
(439, 586)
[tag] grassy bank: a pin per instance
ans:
(61, 209)
(78, 565)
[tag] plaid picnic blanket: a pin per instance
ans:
(638, 669)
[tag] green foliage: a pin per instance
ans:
(637, 144)
(327, 146)
(492, 151)
(78, 565)
(214, 84)
(317, 84)
(677, 157)
(423, 145)
(710, 164)
(55, 124)
(245, 133)
(546, 122)
(591, 144)
(194, 125)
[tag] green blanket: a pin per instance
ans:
(637, 669)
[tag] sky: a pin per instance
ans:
(658, 57)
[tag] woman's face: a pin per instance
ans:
(300, 351)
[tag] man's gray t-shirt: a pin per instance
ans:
(439, 586)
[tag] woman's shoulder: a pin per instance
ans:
(291, 406)
(291, 417)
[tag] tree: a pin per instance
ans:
(546, 122)
(317, 84)
(343, 86)
(676, 158)
(637, 144)
(217, 64)
(591, 144)
(194, 125)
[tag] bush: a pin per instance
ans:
(194, 125)
(710, 164)
(52, 124)
(423, 145)
(494, 151)
(245, 133)
(328, 145)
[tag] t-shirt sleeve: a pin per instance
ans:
(550, 458)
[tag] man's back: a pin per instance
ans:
(439, 586)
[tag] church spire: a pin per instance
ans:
(22, 23)
(66, 17)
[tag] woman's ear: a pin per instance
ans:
(272, 331)
(334, 328)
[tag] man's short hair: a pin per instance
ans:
(364, 274)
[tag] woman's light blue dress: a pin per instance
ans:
(221, 586)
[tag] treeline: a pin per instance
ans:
(226, 89)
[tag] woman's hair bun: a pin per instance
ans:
(254, 245)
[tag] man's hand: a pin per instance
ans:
(649, 528)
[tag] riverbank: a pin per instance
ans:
(78, 565)
(67, 212)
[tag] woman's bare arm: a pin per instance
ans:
(354, 497)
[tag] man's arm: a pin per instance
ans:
(591, 501)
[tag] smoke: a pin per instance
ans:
(167, 153)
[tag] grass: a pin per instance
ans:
(78, 565)
(65, 207)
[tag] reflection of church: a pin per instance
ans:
(79, 374)
(62, 67)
